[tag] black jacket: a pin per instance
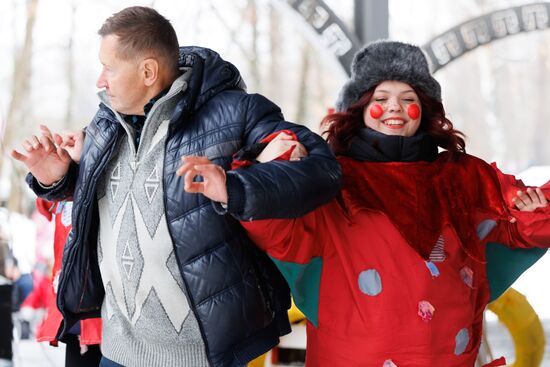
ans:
(238, 296)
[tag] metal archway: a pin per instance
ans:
(499, 24)
(333, 34)
(326, 29)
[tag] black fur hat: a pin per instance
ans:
(387, 60)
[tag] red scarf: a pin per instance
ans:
(420, 198)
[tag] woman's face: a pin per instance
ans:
(394, 109)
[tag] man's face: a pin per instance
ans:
(122, 79)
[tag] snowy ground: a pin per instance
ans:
(32, 354)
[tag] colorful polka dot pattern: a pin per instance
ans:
(485, 227)
(370, 282)
(461, 341)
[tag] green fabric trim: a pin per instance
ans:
(304, 281)
(505, 265)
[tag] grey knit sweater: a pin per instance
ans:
(146, 317)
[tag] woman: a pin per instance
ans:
(392, 271)
(83, 341)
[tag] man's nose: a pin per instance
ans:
(101, 82)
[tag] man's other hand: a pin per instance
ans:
(213, 183)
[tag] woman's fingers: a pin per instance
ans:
(530, 199)
(541, 197)
(521, 195)
(283, 136)
(532, 194)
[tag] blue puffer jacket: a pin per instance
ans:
(238, 296)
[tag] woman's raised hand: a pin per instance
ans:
(529, 200)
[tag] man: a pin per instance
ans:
(177, 281)
(22, 287)
(22, 283)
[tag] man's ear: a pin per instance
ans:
(150, 71)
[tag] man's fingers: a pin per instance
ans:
(189, 163)
(46, 131)
(195, 159)
(58, 139)
(195, 187)
(184, 168)
(63, 155)
(34, 142)
(47, 143)
(205, 169)
(18, 156)
(68, 137)
(189, 177)
(27, 146)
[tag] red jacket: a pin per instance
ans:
(90, 329)
(392, 271)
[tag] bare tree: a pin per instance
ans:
(541, 150)
(252, 9)
(274, 84)
(233, 32)
(301, 109)
(70, 69)
(21, 75)
(16, 109)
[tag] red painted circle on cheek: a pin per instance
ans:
(376, 111)
(413, 111)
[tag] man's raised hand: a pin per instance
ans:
(47, 162)
(71, 141)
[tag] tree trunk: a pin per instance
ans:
(275, 74)
(254, 67)
(70, 70)
(17, 110)
(301, 109)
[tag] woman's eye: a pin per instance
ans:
(380, 99)
(409, 100)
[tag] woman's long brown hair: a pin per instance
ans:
(341, 127)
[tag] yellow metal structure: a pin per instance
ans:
(524, 326)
